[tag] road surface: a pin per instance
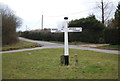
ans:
(56, 45)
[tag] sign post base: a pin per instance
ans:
(66, 60)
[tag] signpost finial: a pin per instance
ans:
(66, 18)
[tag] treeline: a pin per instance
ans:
(93, 32)
(110, 36)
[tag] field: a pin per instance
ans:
(45, 64)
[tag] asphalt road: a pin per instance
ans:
(55, 45)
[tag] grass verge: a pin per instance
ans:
(45, 64)
(111, 47)
(71, 43)
(20, 45)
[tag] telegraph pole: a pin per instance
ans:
(26, 27)
(42, 23)
(102, 11)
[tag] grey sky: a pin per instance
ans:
(53, 10)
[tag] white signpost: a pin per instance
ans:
(66, 30)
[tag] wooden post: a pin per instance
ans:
(62, 60)
(76, 59)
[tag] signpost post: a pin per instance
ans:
(66, 30)
(66, 50)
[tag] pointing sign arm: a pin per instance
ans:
(71, 29)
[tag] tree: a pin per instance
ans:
(117, 16)
(92, 29)
(9, 24)
(106, 10)
(112, 32)
(115, 22)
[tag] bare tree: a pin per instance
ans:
(9, 24)
(106, 9)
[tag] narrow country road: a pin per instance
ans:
(55, 45)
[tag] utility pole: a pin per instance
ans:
(102, 11)
(26, 27)
(42, 23)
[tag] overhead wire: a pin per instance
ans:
(72, 13)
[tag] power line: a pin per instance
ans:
(73, 13)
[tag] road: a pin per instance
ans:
(56, 45)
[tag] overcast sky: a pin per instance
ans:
(53, 11)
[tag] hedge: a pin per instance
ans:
(111, 35)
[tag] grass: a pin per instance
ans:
(109, 47)
(56, 42)
(71, 43)
(78, 43)
(21, 45)
(112, 47)
(45, 64)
